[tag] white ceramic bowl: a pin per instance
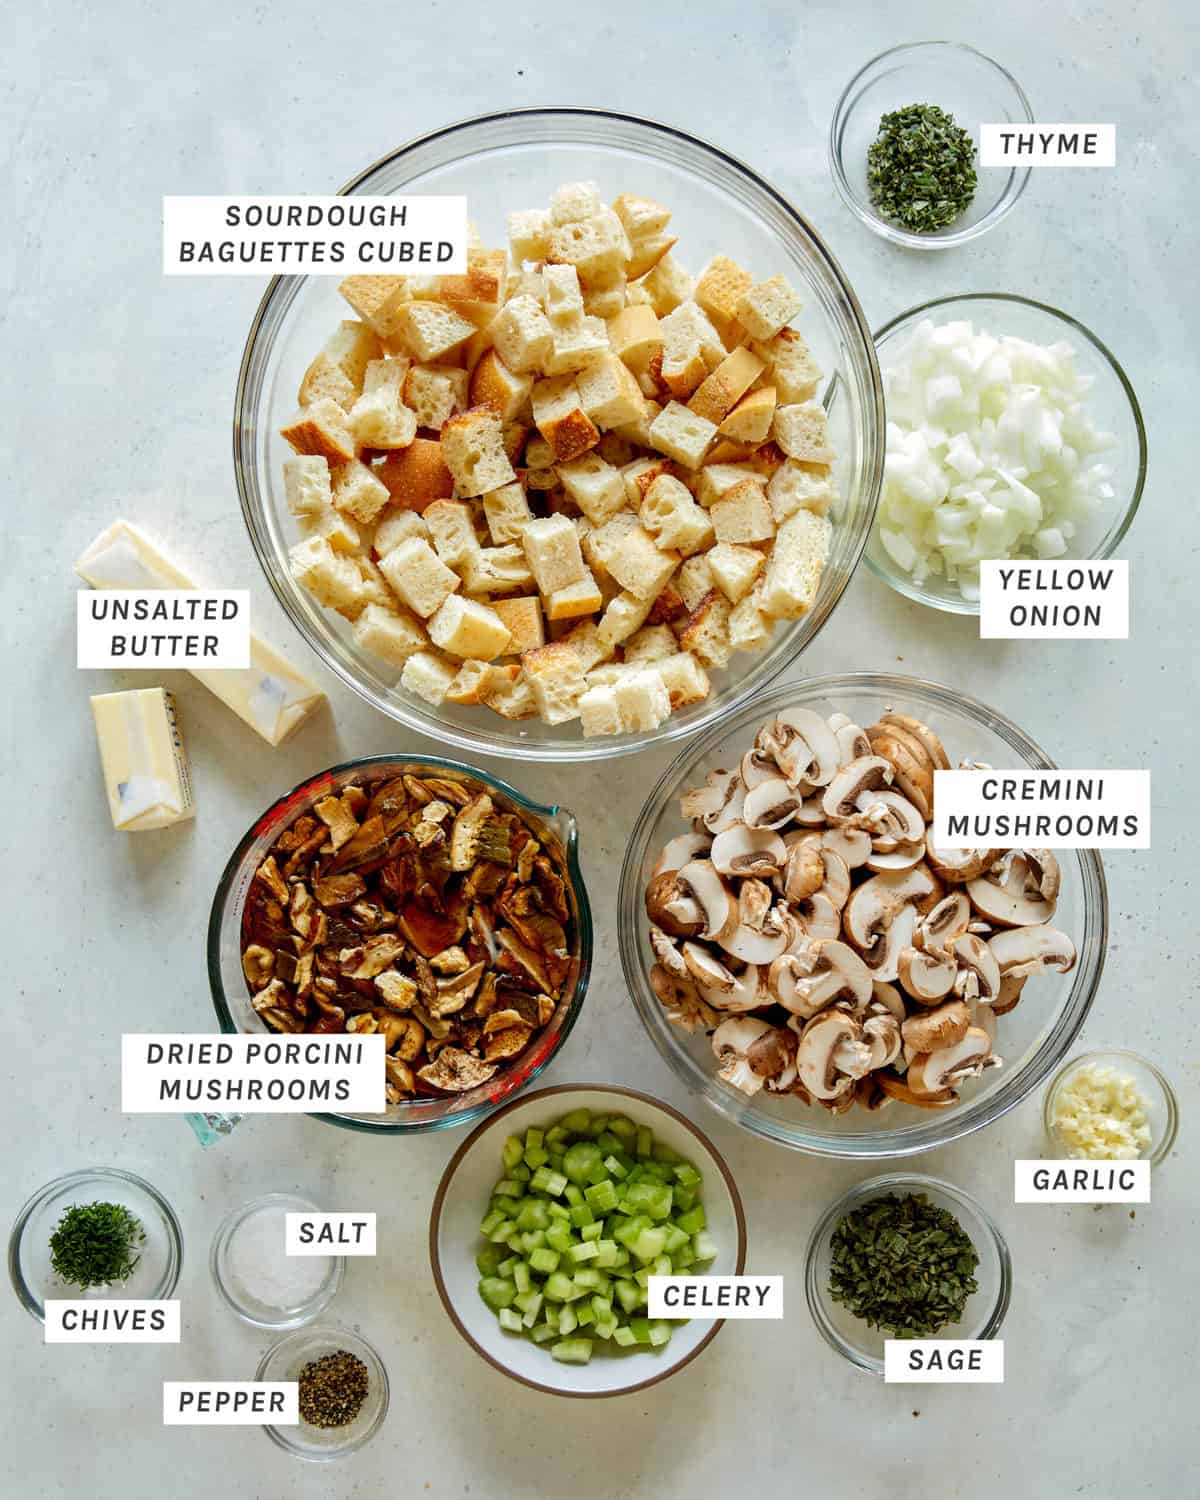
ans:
(462, 1199)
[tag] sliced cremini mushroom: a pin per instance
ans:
(895, 820)
(947, 1067)
(752, 1053)
(673, 907)
(912, 767)
(823, 1040)
(927, 977)
(898, 1089)
(722, 987)
(866, 774)
(771, 804)
(881, 915)
(881, 1032)
(718, 803)
(940, 1027)
(933, 746)
(756, 767)
(804, 747)
(455, 1071)
(667, 953)
(817, 976)
(1009, 997)
(958, 865)
(718, 903)
(902, 857)
(804, 871)
(978, 976)
(1012, 893)
(950, 917)
(852, 845)
(1022, 951)
(761, 933)
(851, 738)
(678, 851)
(681, 1000)
(742, 850)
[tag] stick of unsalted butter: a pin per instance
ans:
(271, 696)
(145, 764)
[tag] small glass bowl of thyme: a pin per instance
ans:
(898, 104)
(343, 1392)
(95, 1233)
(907, 1249)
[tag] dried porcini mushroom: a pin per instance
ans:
(420, 909)
(806, 895)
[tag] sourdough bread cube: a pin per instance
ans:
(512, 701)
(331, 578)
(386, 375)
(764, 308)
(718, 480)
(377, 299)
(338, 530)
(681, 435)
(610, 393)
(560, 418)
(416, 476)
(494, 384)
(507, 512)
(743, 515)
(642, 700)
(599, 712)
(794, 373)
(674, 519)
(522, 618)
(735, 569)
(529, 234)
(642, 217)
(391, 634)
(719, 288)
(652, 643)
(357, 493)
(498, 570)
(585, 641)
(573, 201)
(556, 676)
(647, 253)
(376, 589)
(601, 543)
(379, 419)
(577, 341)
(685, 679)
(338, 370)
(580, 598)
(522, 335)
(720, 392)
(794, 568)
(428, 331)
(638, 433)
(615, 450)
(525, 284)
(638, 475)
(396, 526)
(538, 453)
(515, 435)
(551, 546)
(749, 628)
(640, 566)
(750, 420)
(667, 285)
(695, 580)
(595, 486)
(435, 393)
(476, 679)
(429, 676)
(706, 634)
(322, 429)
(453, 532)
(608, 674)
(306, 485)
(605, 297)
(478, 294)
(623, 615)
(473, 450)
(419, 576)
(562, 296)
(468, 627)
(596, 246)
(688, 327)
(802, 431)
(634, 336)
(797, 486)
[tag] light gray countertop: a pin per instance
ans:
(117, 392)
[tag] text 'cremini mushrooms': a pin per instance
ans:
(809, 923)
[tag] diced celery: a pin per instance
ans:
(531, 1240)
(520, 1274)
(559, 1213)
(573, 1194)
(534, 1138)
(526, 1300)
(579, 1159)
(505, 1268)
(693, 1221)
(598, 1126)
(645, 1141)
(676, 1239)
(511, 1152)
(507, 1204)
(577, 1122)
(535, 1157)
(598, 1173)
(602, 1196)
(613, 1167)
(583, 1251)
(544, 1261)
(559, 1237)
(640, 1328)
(607, 1142)
(606, 1253)
(625, 1233)
(582, 1217)
(567, 1320)
(686, 1175)
(605, 1328)
(520, 1172)
(531, 1313)
(497, 1291)
(629, 1294)
(586, 1279)
(601, 1306)
(624, 1336)
(649, 1198)
(490, 1221)
(534, 1214)
(684, 1257)
(558, 1287)
(649, 1244)
(547, 1181)
(488, 1258)
(572, 1351)
(591, 1231)
(543, 1333)
(584, 1315)
(661, 1267)
(660, 1333)
(510, 1321)
(665, 1153)
(685, 1198)
(705, 1246)
(503, 1232)
(642, 1277)
(509, 1189)
(556, 1137)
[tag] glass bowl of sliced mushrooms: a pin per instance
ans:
(805, 957)
(418, 898)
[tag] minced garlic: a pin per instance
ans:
(1100, 1115)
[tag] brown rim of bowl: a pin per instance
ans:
(435, 1219)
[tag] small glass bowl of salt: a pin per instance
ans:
(255, 1276)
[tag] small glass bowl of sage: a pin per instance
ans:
(905, 1256)
(903, 144)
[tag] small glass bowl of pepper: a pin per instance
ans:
(343, 1391)
(851, 1335)
(956, 79)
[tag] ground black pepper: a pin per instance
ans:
(332, 1389)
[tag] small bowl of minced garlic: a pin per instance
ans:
(1110, 1106)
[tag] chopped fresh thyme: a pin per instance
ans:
(921, 168)
(95, 1244)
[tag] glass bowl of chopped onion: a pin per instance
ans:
(515, 160)
(1013, 433)
(962, 83)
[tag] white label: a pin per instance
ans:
(166, 1074)
(264, 234)
(231, 1403)
(715, 1297)
(1045, 809)
(330, 1234)
(162, 628)
(1081, 1182)
(1011, 145)
(1053, 601)
(116, 1320)
(943, 1361)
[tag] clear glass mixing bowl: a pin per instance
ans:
(1032, 1039)
(515, 160)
